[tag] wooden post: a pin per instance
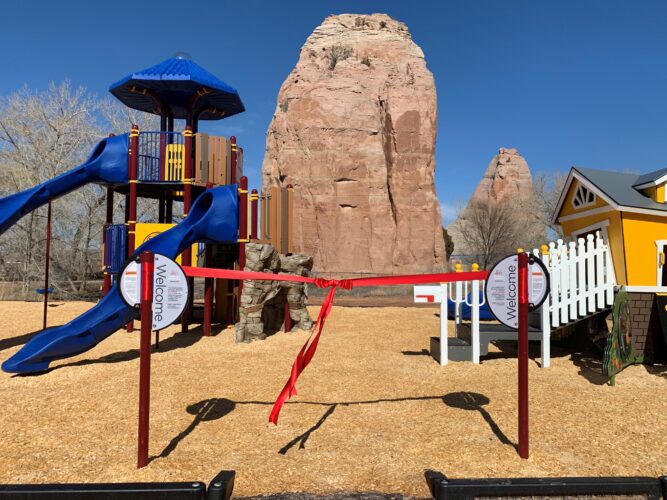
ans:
(132, 201)
(47, 258)
(523, 354)
(146, 309)
(187, 201)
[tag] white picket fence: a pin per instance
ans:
(582, 282)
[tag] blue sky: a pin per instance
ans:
(566, 82)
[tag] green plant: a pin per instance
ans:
(339, 53)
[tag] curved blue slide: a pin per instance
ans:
(106, 165)
(212, 219)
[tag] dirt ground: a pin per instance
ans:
(373, 411)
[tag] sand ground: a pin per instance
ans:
(373, 411)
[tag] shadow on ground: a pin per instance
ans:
(217, 408)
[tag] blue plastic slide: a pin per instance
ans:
(212, 219)
(106, 165)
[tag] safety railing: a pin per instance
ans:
(115, 248)
(161, 157)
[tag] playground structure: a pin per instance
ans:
(582, 285)
(164, 166)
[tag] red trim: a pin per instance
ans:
(429, 298)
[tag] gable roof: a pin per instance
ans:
(651, 179)
(616, 188)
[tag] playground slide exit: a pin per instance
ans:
(106, 165)
(213, 218)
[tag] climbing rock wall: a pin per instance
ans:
(262, 310)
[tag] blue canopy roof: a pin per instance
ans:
(176, 84)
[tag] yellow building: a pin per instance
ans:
(630, 211)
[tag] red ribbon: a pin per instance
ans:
(308, 350)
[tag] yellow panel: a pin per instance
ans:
(174, 162)
(640, 234)
(146, 230)
(660, 193)
(568, 208)
(615, 233)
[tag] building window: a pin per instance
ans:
(584, 197)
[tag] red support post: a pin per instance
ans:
(132, 210)
(523, 354)
(187, 202)
(288, 318)
(208, 287)
(254, 202)
(109, 220)
(243, 231)
(146, 309)
(47, 258)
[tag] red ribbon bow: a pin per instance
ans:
(308, 350)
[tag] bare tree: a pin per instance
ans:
(43, 134)
(548, 187)
(489, 231)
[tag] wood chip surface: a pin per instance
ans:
(374, 410)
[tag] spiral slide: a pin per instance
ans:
(213, 218)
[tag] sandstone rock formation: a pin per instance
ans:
(507, 181)
(354, 133)
(262, 310)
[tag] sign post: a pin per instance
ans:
(146, 308)
(517, 285)
(158, 287)
(523, 354)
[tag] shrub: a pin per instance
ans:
(338, 53)
(366, 60)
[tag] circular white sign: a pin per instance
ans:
(502, 288)
(170, 289)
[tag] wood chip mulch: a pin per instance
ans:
(374, 411)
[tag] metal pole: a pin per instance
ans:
(523, 354)
(109, 220)
(208, 286)
(47, 258)
(233, 149)
(187, 200)
(132, 210)
(254, 199)
(243, 229)
(288, 318)
(146, 310)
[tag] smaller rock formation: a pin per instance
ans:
(262, 310)
(507, 192)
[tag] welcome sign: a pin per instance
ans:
(502, 288)
(170, 289)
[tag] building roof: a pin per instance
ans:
(651, 179)
(619, 187)
(615, 188)
(178, 84)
